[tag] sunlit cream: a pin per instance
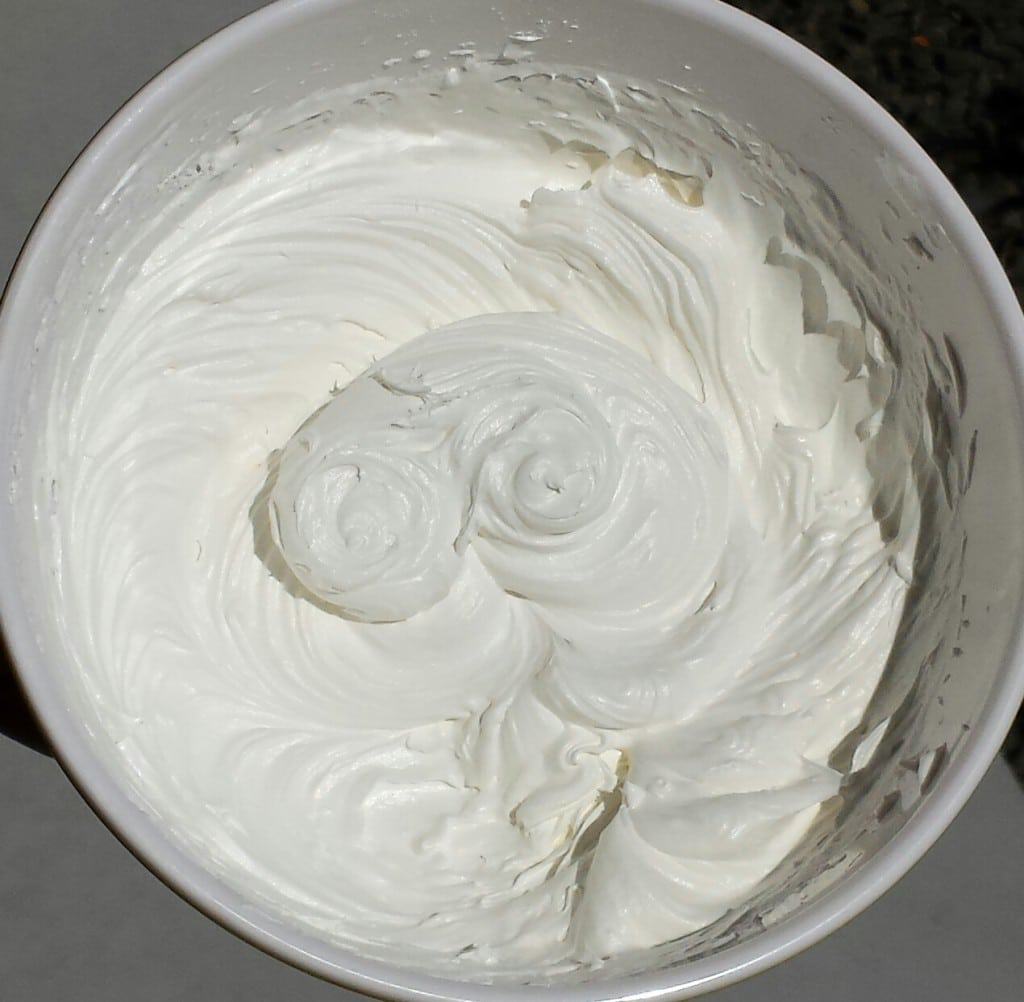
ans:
(468, 523)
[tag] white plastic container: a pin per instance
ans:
(957, 670)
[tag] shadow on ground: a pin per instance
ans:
(16, 719)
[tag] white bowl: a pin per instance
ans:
(952, 688)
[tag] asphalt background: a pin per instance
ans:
(81, 920)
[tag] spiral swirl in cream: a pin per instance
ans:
(366, 523)
(552, 450)
(484, 489)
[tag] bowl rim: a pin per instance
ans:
(169, 861)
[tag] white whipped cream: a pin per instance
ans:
(547, 451)
(499, 647)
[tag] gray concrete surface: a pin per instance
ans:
(81, 920)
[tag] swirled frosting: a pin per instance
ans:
(553, 451)
(474, 531)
